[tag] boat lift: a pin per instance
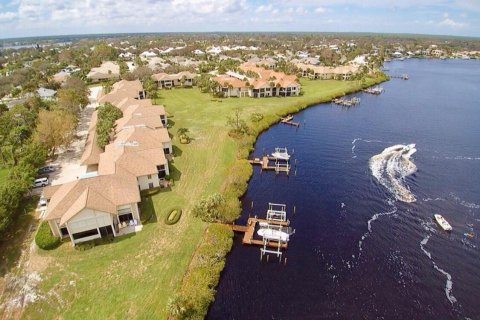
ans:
(277, 212)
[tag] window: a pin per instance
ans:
(150, 185)
(149, 176)
(166, 150)
(64, 231)
(84, 234)
(125, 217)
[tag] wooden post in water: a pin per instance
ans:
(294, 209)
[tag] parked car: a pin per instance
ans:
(46, 169)
(42, 204)
(40, 182)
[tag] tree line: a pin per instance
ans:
(30, 133)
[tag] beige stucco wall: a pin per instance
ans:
(144, 181)
(168, 145)
(54, 227)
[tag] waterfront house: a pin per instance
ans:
(105, 202)
(90, 208)
(314, 72)
(260, 82)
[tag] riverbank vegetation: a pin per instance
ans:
(142, 272)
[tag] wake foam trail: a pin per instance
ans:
(431, 199)
(449, 282)
(464, 203)
(391, 167)
(369, 225)
(354, 155)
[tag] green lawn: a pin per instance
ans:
(134, 276)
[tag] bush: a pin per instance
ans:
(174, 215)
(256, 117)
(150, 192)
(44, 237)
(198, 289)
(210, 209)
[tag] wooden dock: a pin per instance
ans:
(403, 76)
(249, 231)
(289, 120)
(265, 163)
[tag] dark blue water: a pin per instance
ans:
(405, 261)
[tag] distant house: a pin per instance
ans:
(157, 63)
(61, 76)
(268, 62)
(181, 79)
(314, 72)
(148, 54)
(108, 70)
(47, 94)
(265, 83)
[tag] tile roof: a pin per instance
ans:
(119, 189)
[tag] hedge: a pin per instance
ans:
(45, 239)
(173, 216)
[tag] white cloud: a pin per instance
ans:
(264, 8)
(7, 16)
(320, 10)
(451, 23)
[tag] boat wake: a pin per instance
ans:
(391, 167)
(464, 203)
(449, 282)
(354, 145)
(369, 225)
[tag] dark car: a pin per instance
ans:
(46, 169)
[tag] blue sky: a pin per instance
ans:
(56, 17)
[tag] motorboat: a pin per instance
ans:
(442, 222)
(273, 234)
(281, 154)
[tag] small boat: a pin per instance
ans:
(281, 154)
(442, 222)
(272, 234)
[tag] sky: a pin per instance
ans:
(22, 18)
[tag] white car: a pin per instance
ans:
(40, 182)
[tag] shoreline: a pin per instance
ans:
(244, 151)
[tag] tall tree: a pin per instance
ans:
(55, 129)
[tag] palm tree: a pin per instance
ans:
(175, 306)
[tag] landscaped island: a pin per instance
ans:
(137, 275)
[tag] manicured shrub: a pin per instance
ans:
(173, 216)
(44, 237)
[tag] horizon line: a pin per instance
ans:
(118, 34)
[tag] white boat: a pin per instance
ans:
(281, 153)
(442, 222)
(272, 234)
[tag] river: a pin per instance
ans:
(366, 245)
